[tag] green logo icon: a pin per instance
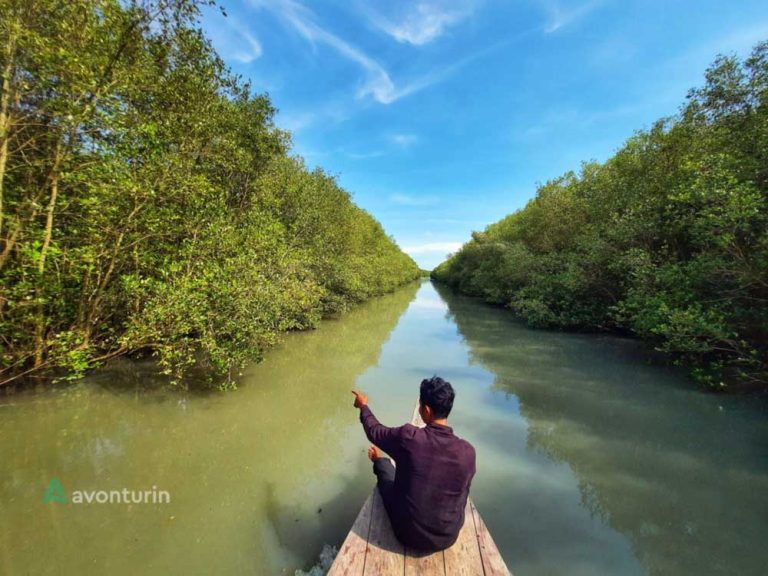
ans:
(55, 493)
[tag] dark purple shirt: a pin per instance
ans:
(434, 469)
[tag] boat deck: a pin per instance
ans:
(371, 548)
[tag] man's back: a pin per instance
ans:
(434, 470)
(433, 477)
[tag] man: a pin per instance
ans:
(426, 494)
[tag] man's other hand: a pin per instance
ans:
(360, 399)
(375, 452)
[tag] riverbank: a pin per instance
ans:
(666, 240)
(146, 374)
(736, 386)
(159, 208)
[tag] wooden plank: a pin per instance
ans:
(385, 554)
(493, 563)
(424, 564)
(463, 558)
(350, 561)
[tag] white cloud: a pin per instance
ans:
(234, 40)
(378, 84)
(443, 247)
(406, 200)
(560, 16)
(404, 140)
(252, 49)
(421, 22)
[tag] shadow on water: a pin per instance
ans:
(680, 472)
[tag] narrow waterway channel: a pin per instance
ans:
(591, 460)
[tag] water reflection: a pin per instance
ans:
(259, 478)
(590, 461)
(680, 473)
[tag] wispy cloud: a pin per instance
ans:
(365, 155)
(296, 121)
(326, 113)
(559, 119)
(408, 200)
(669, 82)
(378, 84)
(404, 140)
(560, 16)
(234, 40)
(421, 22)
(252, 48)
(439, 247)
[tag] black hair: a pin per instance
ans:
(438, 395)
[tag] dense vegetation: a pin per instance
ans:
(668, 239)
(148, 202)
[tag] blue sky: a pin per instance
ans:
(440, 117)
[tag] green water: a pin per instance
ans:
(591, 461)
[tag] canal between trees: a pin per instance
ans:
(591, 459)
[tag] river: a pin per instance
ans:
(592, 460)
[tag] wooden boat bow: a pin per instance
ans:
(371, 549)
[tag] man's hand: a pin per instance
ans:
(375, 452)
(360, 399)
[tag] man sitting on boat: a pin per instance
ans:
(426, 494)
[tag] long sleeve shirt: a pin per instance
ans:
(434, 470)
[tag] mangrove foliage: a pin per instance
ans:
(149, 203)
(667, 240)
